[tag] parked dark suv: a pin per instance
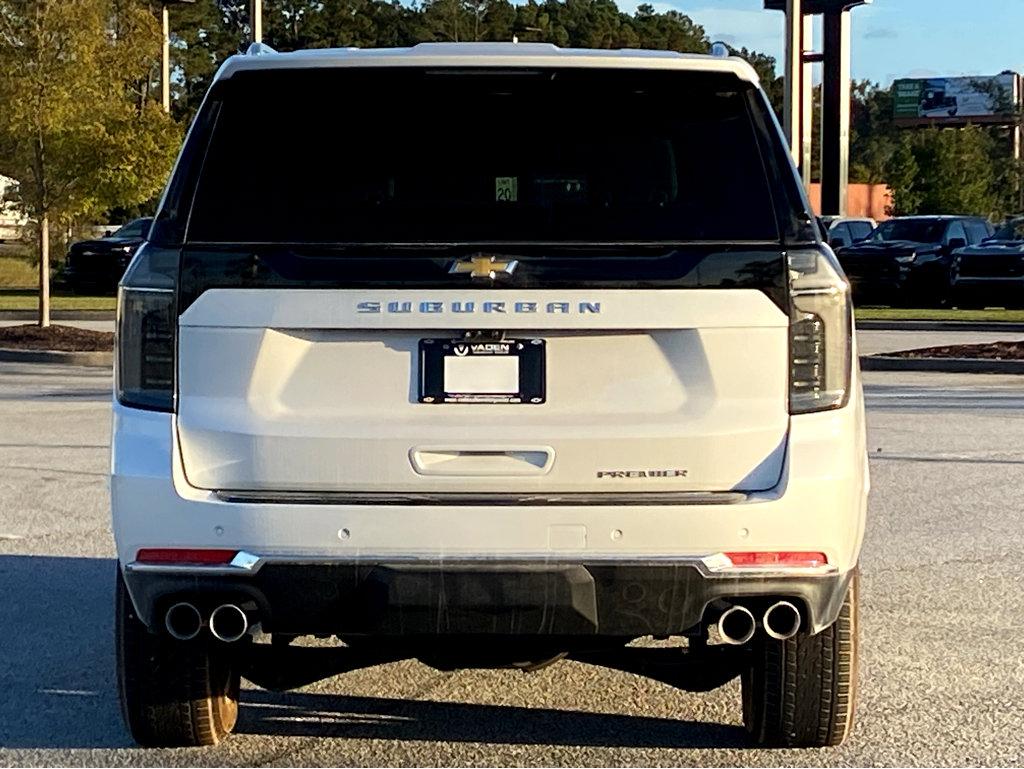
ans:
(992, 272)
(97, 265)
(910, 259)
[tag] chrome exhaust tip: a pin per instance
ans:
(228, 623)
(736, 626)
(782, 620)
(183, 621)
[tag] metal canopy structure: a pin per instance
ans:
(835, 128)
(816, 7)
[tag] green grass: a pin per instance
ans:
(28, 300)
(18, 267)
(994, 315)
(19, 276)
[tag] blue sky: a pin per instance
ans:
(892, 38)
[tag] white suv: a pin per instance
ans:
(462, 353)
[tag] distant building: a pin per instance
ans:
(868, 200)
(12, 220)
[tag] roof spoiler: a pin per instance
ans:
(259, 49)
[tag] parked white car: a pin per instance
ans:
(491, 373)
(844, 231)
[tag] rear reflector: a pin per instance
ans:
(184, 555)
(799, 559)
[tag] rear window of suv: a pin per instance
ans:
(410, 156)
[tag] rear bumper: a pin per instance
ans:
(495, 597)
(641, 565)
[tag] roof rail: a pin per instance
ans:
(259, 49)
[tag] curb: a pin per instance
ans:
(944, 365)
(939, 325)
(96, 358)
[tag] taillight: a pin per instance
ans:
(146, 320)
(820, 332)
(785, 558)
(185, 555)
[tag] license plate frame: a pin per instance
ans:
(531, 355)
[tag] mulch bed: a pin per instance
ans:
(990, 351)
(63, 338)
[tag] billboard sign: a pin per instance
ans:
(957, 99)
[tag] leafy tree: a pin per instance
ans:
(901, 174)
(206, 33)
(668, 31)
(960, 177)
(73, 130)
(203, 34)
(947, 171)
(873, 135)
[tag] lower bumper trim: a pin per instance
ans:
(518, 598)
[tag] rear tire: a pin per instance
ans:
(173, 693)
(800, 693)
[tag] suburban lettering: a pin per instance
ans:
(434, 307)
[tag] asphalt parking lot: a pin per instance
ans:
(942, 674)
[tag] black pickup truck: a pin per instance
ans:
(992, 272)
(910, 259)
(97, 265)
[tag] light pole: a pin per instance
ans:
(256, 20)
(165, 53)
(165, 59)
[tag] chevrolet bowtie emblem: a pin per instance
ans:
(483, 267)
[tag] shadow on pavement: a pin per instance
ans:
(57, 653)
(59, 691)
(327, 716)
